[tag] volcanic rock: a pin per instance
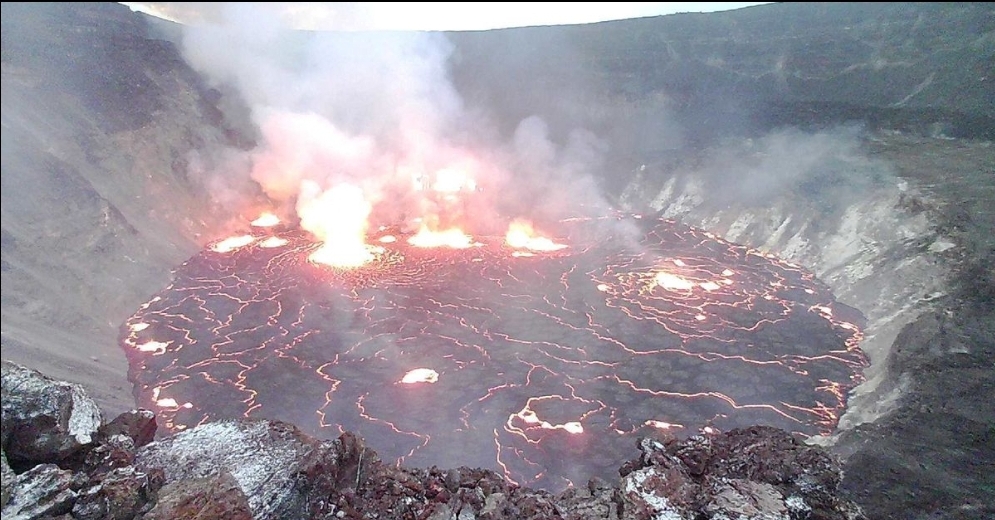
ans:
(138, 425)
(272, 462)
(45, 419)
(7, 478)
(750, 472)
(217, 496)
(44, 490)
(121, 494)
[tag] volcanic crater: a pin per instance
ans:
(801, 236)
(545, 363)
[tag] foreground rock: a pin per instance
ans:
(260, 469)
(44, 420)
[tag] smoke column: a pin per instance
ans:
(369, 127)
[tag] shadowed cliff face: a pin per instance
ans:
(851, 139)
(922, 67)
(101, 128)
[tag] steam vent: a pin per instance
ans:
(728, 265)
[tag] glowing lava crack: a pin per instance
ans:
(545, 364)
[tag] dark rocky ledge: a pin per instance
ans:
(62, 460)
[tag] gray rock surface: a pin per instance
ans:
(45, 419)
(44, 490)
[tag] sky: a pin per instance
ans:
(435, 16)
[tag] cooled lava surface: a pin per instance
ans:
(543, 360)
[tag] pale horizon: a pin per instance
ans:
(432, 16)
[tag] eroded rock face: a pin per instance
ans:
(45, 419)
(267, 459)
(44, 490)
(217, 496)
(757, 472)
(7, 478)
(121, 494)
(261, 469)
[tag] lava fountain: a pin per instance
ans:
(542, 359)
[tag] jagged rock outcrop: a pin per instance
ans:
(45, 420)
(42, 491)
(262, 469)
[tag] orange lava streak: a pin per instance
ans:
(672, 282)
(521, 235)
(453, 238)
(420, 375)
(154, 347)
(273, 242)
(232, 243)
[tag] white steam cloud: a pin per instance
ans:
(378, 113)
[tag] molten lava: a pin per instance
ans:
(453, 238)
(337, 217)
(232, 243)
(266, 219)
(420, 375)
(551, 365)
(522, 236)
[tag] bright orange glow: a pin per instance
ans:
(420, 375)
(452, 180)
(662, 425)
(521, 235)
(822, 309)
(266, 219)
(232, 243)
(529, 416)
(273, 242)
(672, 282)
(388, 239)
(710, 286)
(452, 237)
(138, 327)
(155, 347)
(345, 258)
(169, 402)
(337, 217)
(573, 427)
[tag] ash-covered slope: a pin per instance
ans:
(107, 168)
(100, 198)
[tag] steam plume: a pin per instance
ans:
(377, 112)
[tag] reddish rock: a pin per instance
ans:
(217, 496)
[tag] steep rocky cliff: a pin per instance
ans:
(100, 125)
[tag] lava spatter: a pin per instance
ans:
(544, 366)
